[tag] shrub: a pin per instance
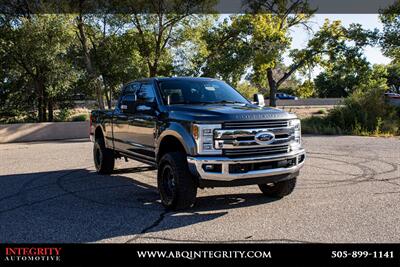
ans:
(363, 113)
(321, 112)
(80, 117)
(319, 125)
(62, 115)
(247, 90)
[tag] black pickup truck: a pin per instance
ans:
(199, 132)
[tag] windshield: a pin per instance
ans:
(199, 92)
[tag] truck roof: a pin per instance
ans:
(175, 79)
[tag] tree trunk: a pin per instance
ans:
(272, 88)
(88, 63)
(153, 70)
(50, 109)
(40, 100)
(44, 106)
(40, 109)
(108, 97)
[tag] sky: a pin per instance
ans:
(368, 21)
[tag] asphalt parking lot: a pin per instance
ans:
(348, 191)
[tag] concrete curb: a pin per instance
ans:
(308, 102)
(28, 132)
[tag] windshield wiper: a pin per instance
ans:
(209, 102)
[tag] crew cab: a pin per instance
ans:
(199, 132)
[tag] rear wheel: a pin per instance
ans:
(279, 189)
(177, 186)
(103, 157)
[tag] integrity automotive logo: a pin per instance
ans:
(32, 254)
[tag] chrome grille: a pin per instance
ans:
(238, 138)
(256, 124)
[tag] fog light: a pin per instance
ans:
(282, 163)
(212, 167)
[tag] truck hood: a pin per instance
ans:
(225, 112)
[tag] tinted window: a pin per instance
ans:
(199, 91)
(131, 88)
(146, 93)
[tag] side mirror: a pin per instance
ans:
(259, 100)
(127, 105)
(124, 108)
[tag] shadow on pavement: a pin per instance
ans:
(79, 205)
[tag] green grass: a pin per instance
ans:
(62, 115)
(319, 125)
(323, 125)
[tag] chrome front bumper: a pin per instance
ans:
(196, 165)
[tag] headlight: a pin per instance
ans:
(297, 131)
(295, 124)
(203, 135)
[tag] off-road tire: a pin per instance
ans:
(104, 159)
(279, 189)
(176, 185)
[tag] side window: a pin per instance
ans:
(131, 88)
(174, 90)
(146, 93)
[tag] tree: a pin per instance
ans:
(342, 74)
(113, 54)
(390, 43)
(227, 53)
(393, 77)
(257, 42)
(305, 90)
(36, 48)
(271, 38)
(118, 61)
(94, 77)
(389, 38)
(247, 90)
(155, 32)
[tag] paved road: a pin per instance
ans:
(348, 191)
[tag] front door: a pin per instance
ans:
(142, 125)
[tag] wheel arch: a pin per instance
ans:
(99, 133)
(170, 143)
(178, 136)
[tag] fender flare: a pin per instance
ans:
(179, 132)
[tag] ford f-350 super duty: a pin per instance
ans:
(199, 132)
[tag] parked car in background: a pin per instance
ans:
(393, 98)
(285, 96)
(392, 95)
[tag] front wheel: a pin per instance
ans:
(177, 186)
(279, 189)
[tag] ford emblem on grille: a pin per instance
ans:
(264, 138)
